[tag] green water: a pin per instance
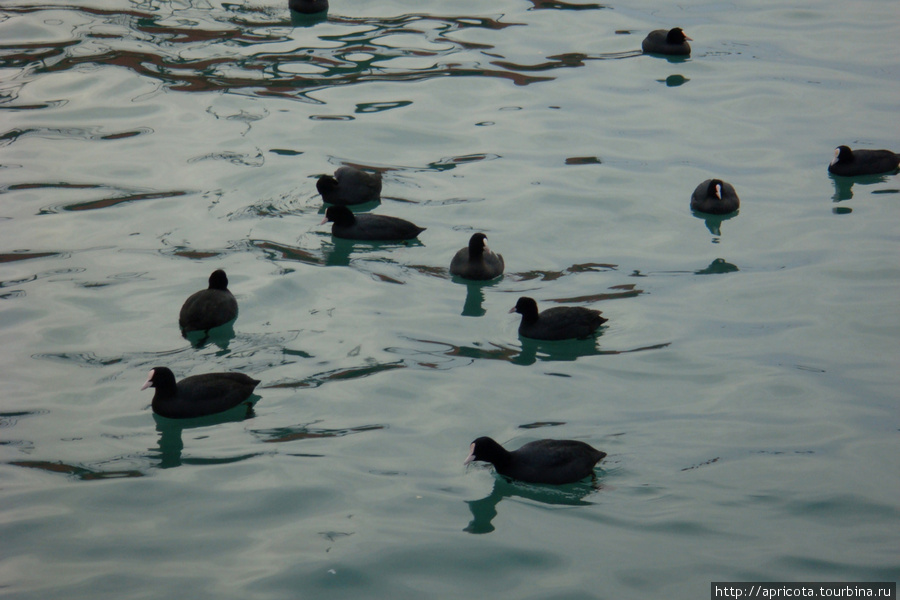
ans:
(744, 388)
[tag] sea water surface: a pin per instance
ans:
(745, 387)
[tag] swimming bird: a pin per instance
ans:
(543, 461)
(849, 162)
(715, 197)
(308, 7)
(477, 261)
(369, 227)
(209, 308)
(557, 323)
(197, 395)
(349, 186)
(672, 42)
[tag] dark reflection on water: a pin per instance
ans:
(555, 4)
(24, 255)
(562, 61)
(473, 305)
(563, 350)
(79, 472)
(168, 453)
(554, 275)
(189, 58)
(714, 222)
(540, 424)
(10, 419)
(843, 186)
(112, 196)
(670, 57)
(299, 19)
(334, 253)
(718, 267)
(531, 351)
(674, 80)
(251, 353)
(275, 252)
(307, 432)
(485, 509)
(357, 208)
(86, 359)
(627, 290)
(341, 374)
(220, 336)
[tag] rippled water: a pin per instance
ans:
(745, 387)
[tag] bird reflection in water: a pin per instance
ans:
(485, 509)
(171, 444)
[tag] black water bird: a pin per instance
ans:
(308, 7)
(349, 186)
(672, 42)
(209, 308)
(369, 227)
(557, 323)
(543, 461)
(197, 395)
(715, 197)
(477, 261)
(849, 163)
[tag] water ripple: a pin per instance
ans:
(263, 57)
(115, 196)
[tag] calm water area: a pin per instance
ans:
(745, 387)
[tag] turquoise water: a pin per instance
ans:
(744, 388)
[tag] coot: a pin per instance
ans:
(477, 261)
(543, 461)
(197, 395)
(308, 7)
(557, 323)
(209, 308)
(715, 197)
(349, 186)
(849, 162)
(672, 42)
(369, 227)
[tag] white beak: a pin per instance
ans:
(471, 456)
(149, 381)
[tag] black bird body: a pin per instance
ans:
(349, 186)
(557, 323)
(543, 461)
(672, 42)
(308, 7)
(849, 163)
(477, 261)
(369, 227)
(715, 197)
(197, 395)
(209, 308)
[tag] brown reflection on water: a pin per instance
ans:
(219, 56)
(280, 435)
(114, 198)
(554, 275)
(555, 4)
(82, 473)
(319, 379)
(530, 352)
(629, 290)
(5, 258)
